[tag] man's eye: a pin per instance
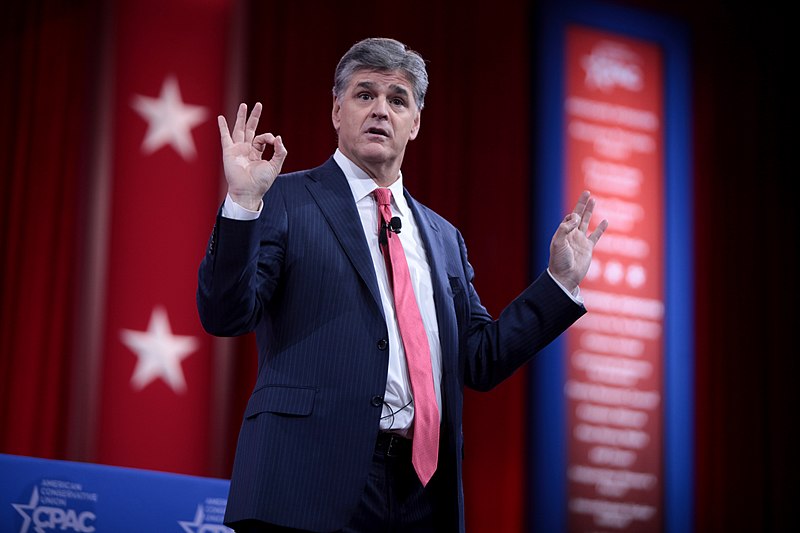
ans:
(398, 102)
(363, 96)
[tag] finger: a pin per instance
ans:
(224, 134)
(252, 123)
(569, 223)
(260, 142)
(581, 205)
(586, 216)
(598, 231)
(238, 127)
(280, 151)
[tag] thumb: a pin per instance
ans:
(569, 223)
(280, 150)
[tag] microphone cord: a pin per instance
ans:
(392, 412)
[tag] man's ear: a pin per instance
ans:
(415, 127)
(335, 113)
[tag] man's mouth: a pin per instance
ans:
(378, 131)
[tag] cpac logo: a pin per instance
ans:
(199, 525)
(611, 65)
(45, 518)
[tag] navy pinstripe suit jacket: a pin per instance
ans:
(302, 278)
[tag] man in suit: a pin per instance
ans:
(331, 435)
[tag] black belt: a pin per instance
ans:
(393, 445)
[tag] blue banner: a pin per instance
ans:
(41, 495)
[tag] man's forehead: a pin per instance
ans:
(396, 79)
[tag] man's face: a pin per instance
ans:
(375, 118)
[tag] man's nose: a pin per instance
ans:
(380, 108)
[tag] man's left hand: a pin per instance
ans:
(571, 248)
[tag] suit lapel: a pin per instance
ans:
(330, 191)
(442, 297)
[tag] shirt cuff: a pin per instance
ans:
(574, 295)
(231, 209)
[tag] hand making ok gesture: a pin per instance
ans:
(249, 176)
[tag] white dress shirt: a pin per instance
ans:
(398, 408)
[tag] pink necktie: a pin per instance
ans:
(425, 445)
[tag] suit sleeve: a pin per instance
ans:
(241, 269)
(496, 348)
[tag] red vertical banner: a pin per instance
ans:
(156, 363)
(614, 147)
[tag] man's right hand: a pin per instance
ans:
(249, 176)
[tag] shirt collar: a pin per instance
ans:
(362, 185)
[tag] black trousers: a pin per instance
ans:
(394, 500)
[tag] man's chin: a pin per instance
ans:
(375, 153)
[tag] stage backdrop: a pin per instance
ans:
(612, 405)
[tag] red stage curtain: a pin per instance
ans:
(46, 58)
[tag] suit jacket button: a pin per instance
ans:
(376, 401)
(383, 344)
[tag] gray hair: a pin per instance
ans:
(383, 55)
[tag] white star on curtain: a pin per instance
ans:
(170, 121)
(160, 352)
